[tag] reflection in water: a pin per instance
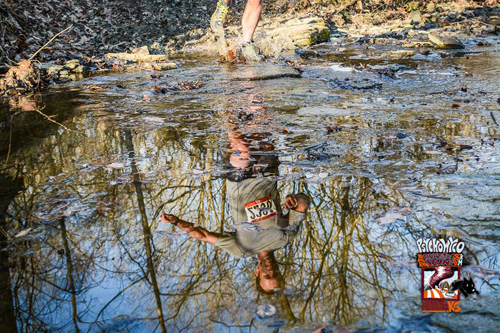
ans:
(77, 212)
(260, 224)
(100, 267)
(8, 191)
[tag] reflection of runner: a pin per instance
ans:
(260, 226)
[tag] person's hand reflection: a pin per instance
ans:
(297, 202)
(169, 218)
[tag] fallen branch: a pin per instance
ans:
(49, 118)
(493, 117)
(50, 41)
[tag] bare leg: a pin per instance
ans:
(250, 19)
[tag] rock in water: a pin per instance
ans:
(138, 55)
(415, 17)
(277, 37)
(446, 42)
(72, 64)
(265, 311)
(263, 71)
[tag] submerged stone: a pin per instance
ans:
(264, 72)
(324, 111)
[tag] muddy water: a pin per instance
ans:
(414, 138)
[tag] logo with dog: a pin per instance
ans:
(441, 283)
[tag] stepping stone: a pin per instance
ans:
(446, 42)
(259, 72)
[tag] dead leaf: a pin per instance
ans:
(96, 88)
(23, 233)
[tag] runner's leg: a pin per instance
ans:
(250, 19)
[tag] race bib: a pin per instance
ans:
(261, 210)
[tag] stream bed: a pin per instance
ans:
(388, 150)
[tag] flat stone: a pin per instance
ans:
(138, 55)
(72, 64)
(325, 111)
(415, 17)
(49, 67)
(446, 42)
(159, 66)
(263, 72)
(54, 69)
(398, 54)
(73, 61)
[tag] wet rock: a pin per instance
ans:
(415, 17)
(399, 54)
(358, 84)
(54, 69)
(264, 72)
(72, 64)
(324, 111)
(138, 55)
(446, 42)
(306, 54)
(159, 66)
(277, 37)
(49, 68)
(265, 311)
(79, 69)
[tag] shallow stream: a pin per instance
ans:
(388, 152)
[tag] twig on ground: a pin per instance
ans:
(10, 144)
(50, 41)
(493, 117)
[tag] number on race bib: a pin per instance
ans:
(260, 210)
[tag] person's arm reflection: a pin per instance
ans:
(197, 232)
(260, 226)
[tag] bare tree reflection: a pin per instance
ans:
(103, 271)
